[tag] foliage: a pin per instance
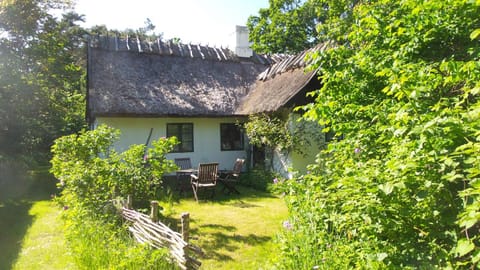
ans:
(147, 32)
(282, 131)
(258, 178)
(286, 26)
(401, 189)
(290, 26)
(41, 77)
(262, 129)
(109, 248)
(92, 173)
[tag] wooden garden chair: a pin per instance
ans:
(185, 170)
(206, 178)
(230, 178)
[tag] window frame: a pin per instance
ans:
(232, 142)
(180, 147)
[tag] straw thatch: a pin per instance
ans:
(284, 83)
(272, 94)
(167, 80)
(130, 77)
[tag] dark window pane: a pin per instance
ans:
(184, 134)
(231, 137)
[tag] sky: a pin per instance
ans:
(203, 22)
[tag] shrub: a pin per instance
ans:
(109, 248)
(258, 178)
(401, 189)
(91, 176)
(91, 173)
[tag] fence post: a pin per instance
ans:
(185, 218)
(185, 222)
(154, 212)
(129, 202)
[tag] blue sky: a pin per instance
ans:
(197, 21)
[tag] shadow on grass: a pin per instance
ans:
(19, 189)
(214, 238)
(220, 196)
(13, 225)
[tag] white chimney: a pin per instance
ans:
(242, 45)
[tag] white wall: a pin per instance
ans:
(283, 162)
(206, 135)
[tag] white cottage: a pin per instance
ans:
(198, 94)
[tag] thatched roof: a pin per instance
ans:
(280, 84)
(128, 78)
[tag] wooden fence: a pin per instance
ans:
(149, 230)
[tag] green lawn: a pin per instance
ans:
(235, 231)
(30, 229)
(43, 246)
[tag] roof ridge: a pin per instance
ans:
(169, 48)
(291, 62)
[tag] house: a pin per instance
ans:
(197, 93)
(280, 88)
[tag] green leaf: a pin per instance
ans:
(475, 34)
(382, 256)
(468, 222)
(387, 188)
(463, 247)
(476, 257)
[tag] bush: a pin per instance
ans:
(258, 178)
(92, 175)
(109, 248)
(400, 191)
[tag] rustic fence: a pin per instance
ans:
(149, 230)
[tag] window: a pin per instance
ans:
(184, 134)
(231, 137)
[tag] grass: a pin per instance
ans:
(14, 223)
(30, 231)
(234, 231)
(43, 246)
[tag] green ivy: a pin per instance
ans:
(283, 131)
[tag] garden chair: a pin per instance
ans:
(206, 178)
(183, 163)
(230, 178)
(185, 169)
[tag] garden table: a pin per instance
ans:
(183, 179)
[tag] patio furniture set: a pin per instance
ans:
(206, 176)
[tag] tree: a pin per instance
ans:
(41, 76)
(286, 26)
(145, 32)
(290, 26)
(401, 189)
